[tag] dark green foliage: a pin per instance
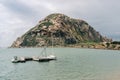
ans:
(115, 42)
(70, 41)
(59, 33)
(108, 44)
(29, 41)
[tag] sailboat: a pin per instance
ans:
(45, 57)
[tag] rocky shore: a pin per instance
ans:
(102, 45)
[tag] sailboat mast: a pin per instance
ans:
(45, 51)
(52, 41)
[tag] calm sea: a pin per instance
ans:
(71, 64)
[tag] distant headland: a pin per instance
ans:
(60, 30)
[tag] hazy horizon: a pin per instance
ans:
(19, 16)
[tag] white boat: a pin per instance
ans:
(51, 57)
(15, 59)
(35, 58)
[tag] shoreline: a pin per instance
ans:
(98, 46)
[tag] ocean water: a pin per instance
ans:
(71, 64)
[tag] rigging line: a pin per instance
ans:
(52, 42)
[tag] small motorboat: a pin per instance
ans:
(15, 59)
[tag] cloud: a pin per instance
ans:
(18, 16)
(10, 25)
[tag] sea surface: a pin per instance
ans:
(71, 64)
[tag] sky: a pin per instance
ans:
(18, 16)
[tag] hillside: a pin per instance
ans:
(61, 30)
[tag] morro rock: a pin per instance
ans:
(61, 30)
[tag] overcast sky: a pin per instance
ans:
(18, 16)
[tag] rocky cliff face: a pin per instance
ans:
(61, 30)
